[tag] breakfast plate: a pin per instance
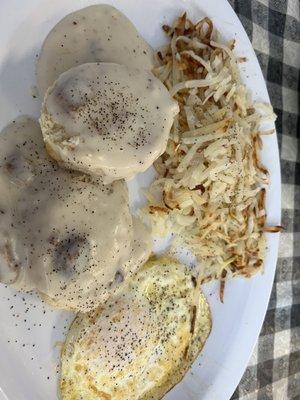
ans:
(31, 332)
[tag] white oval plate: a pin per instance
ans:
(31, 333)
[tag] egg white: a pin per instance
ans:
(141, 342)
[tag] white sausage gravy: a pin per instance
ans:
(92, 34)
(62, 232)
(107, 119)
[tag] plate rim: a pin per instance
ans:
(271, 273)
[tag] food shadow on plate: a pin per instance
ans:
(17, 73)
(16, 86)
(33, 330)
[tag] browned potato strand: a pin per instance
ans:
(211, 185)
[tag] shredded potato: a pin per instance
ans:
(211, 188)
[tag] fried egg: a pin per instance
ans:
(141, 342)
(107, 120)
(96, 33)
